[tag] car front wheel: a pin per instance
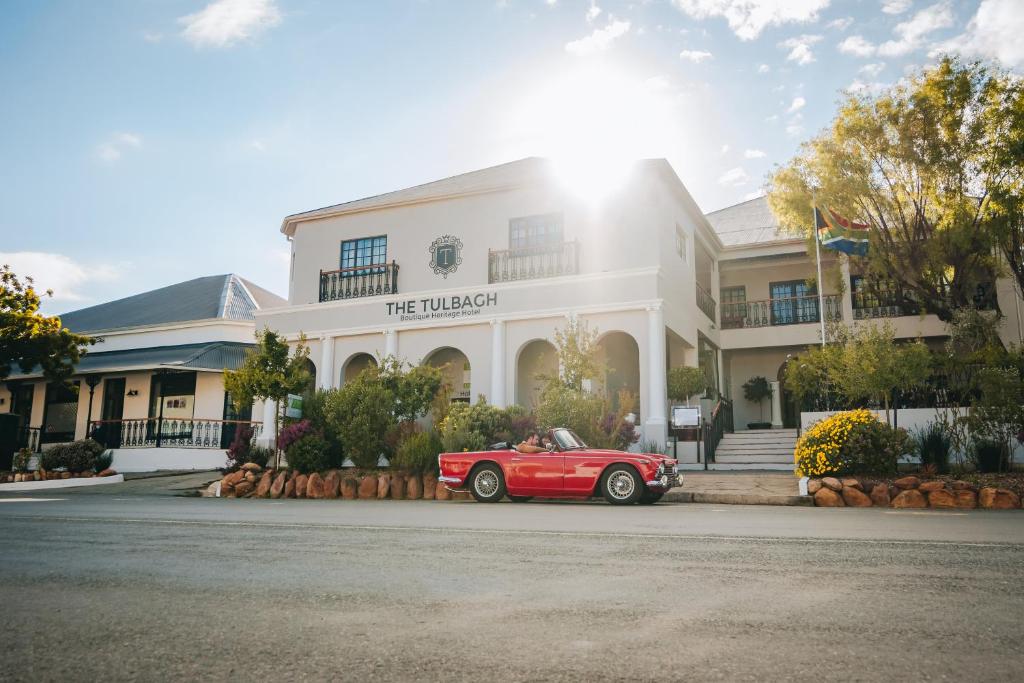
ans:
(621, 485)
(487, 484)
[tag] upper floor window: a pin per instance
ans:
(365, 251)
(681, 243)
(530, 232)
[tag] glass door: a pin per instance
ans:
(793, 302)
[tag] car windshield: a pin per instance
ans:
(567, 440)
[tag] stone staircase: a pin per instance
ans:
(756, 449)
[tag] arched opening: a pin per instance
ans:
(537, 360)
(455, 371)
(620, 356)
(311, 382)
(355, 365)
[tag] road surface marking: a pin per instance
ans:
(30, 500)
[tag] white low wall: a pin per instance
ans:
(153, 459)
(60, 483)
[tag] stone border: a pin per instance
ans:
(909, 493)
(61, 483)
(252, 481)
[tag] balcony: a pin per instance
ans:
(358, 282)
(507, 265)
(775, 312)
(705, 302)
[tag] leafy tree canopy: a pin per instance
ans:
(28, 338)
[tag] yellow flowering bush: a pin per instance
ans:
(853, 441)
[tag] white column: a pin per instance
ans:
(655, 423)
(326, 363)
(776, 404)
(390, 343)
(498, 363)
(844, 267)
(266, 437)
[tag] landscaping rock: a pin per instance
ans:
(930, 486)
(941, 498)
(960, 485)
(263, 488)
(880, 495)
(289, 488)
(368, 487)
(212, 490)
(250, 476)
(277, 488)
(315, 486)
(301, 482)
(850, 482)
(251, 467)
(63, 475)
(441, 492)
(244, 488)
(907, 482)
(832, 483)
(397, 487)
(331, 484)
(827, 498)
(813, 486)
(462, 495)
(855, 498)
(429, 486)
(413, 487)
(998, 499)
(910, 498)
(235, 477)
(383, 486)
(349, 488)
(965, 498)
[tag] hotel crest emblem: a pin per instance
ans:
(445, 255)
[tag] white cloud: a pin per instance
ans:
(748, 18)
(911, 34)
(593, 12)
(994, 32)
(734, 177)
(763, 69)
(896, 6)
(598, 41)
(152, 36)
(225, 22)
(872, 70)
(859, 87)
(800, 48)
(856, 46)
(695, 56)
(57, 272)
(116, 145)
(794, 129)
(797, 105)
(754, 154)
(840, 24)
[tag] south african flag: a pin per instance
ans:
(841, 234)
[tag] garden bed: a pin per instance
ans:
(252, 481)
(988, 491)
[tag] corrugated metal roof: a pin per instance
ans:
(208, 356)
(228, 297)
(750, 222)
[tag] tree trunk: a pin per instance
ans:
(885, 402)
(277, 451)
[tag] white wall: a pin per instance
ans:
(153, 459)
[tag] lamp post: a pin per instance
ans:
(91, 381)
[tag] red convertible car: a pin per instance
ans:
(569, 470)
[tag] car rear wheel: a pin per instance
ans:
(520, 499)
(487, 484)
(621, 485)
(650, 497)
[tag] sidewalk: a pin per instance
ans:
(740, 487)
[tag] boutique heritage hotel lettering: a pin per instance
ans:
(438, 307)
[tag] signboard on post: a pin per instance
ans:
(685, 416)
(293, 406)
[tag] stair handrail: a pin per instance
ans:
(716, 427)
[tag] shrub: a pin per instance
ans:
(418, 453)
(242, 450)
(653, 447)
(77, 456)
(589, 415)
(310, 454)
(456, 433)
(291, 433)
(850, 442)
(103, 461)
(934, 445)
(990, 455)
(756, 390)
(21, 460)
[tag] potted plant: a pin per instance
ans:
(757, 390)
(684, 382)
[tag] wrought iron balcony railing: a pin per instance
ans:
(705, 302)
(773, 312)
(506, 265)
(361, 281)
(157, 432)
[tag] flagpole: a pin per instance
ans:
(821, 297)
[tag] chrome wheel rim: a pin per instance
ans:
(486, 483)
(621, 485)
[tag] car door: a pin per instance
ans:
(582, 469)
(536, 474)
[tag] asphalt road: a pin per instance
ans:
(134, 583)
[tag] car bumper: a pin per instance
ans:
(665, 482)
(451, 483)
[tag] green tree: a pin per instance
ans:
(685, 381)
(28, 338)
(756, 390)
(269, 372)
(936, 168)
(577, 354)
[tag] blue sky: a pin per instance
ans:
(145, 143)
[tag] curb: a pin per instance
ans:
(135, 476)
(735, 498)
(51, 484)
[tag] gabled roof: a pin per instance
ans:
(224, 297)
(750, 222)
(209, 356)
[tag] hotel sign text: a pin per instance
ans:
(442, 307)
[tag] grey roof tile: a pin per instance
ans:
(750, 222)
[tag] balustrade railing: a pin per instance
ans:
(783, 311)
(157, 432)
(358, 282)
(715, 429)
(505, 265)
(705, 302)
